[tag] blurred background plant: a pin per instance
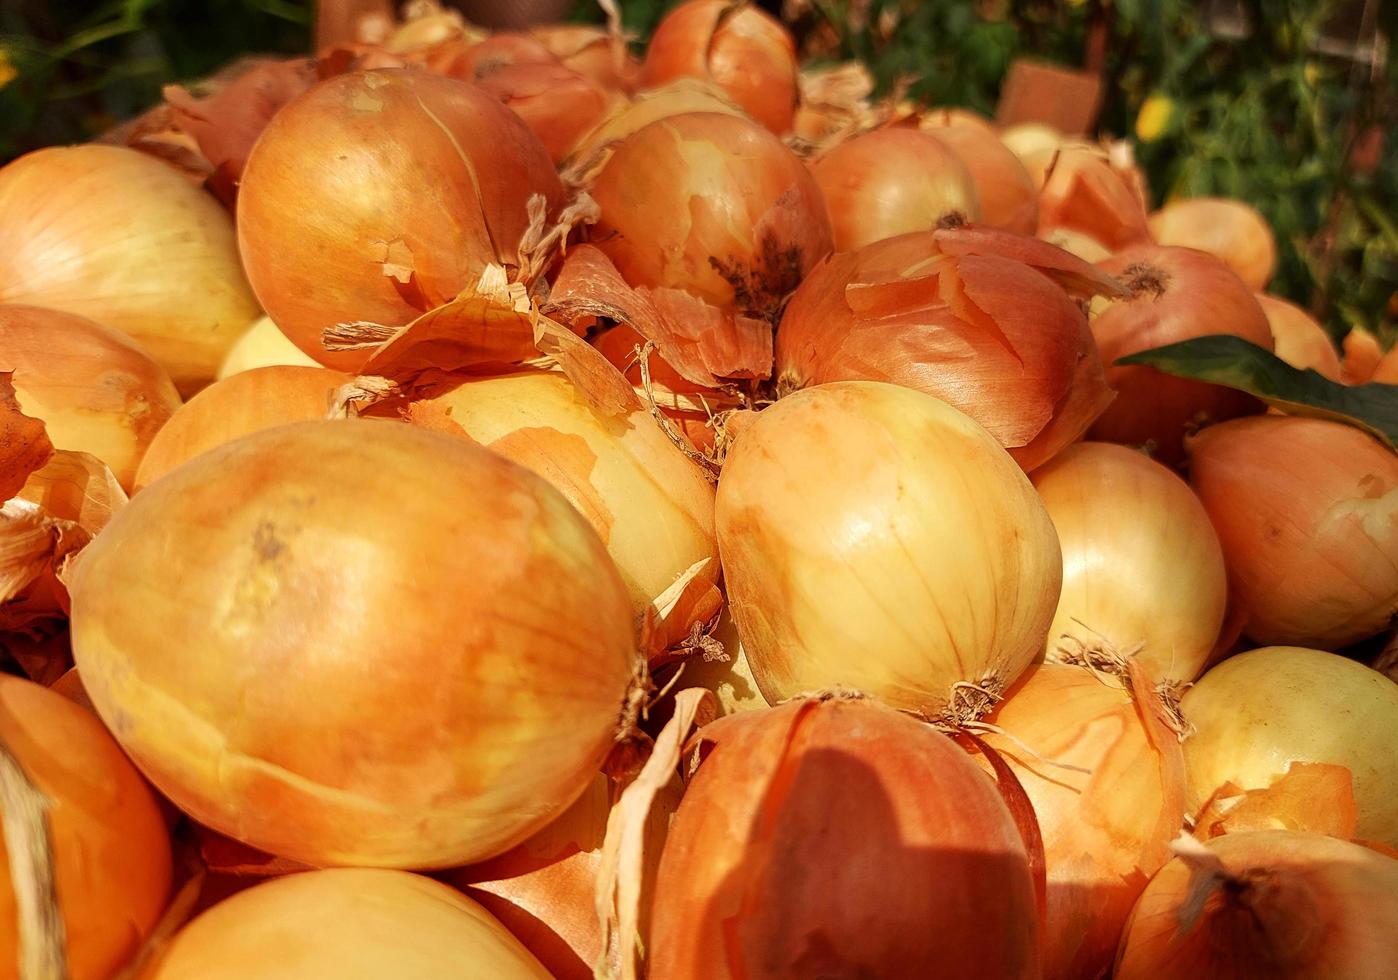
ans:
(1282, 103)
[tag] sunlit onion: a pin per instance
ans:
(559, 104)
(672, 99)
(593, 52)
(1082, 192)
(1083, 246)
(1006, 194)
(1228, 229)
(1025, 140)
(262, 346)
(1299, 339)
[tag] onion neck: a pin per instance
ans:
(1141, 278)
(1268, 916)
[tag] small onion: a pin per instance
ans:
(593, 52)
(1298, 339)
(1004, 189)
(1387, 370)
(875, 538)
(1026, 140)
(264, 345)
(841, 839)
(309, 654)
(1362, 356)
(1081, 191)
(1307, 512)
(112, 234)
(559, 104)
(1228, 229)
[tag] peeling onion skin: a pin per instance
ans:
(1299, 907)
(841, 839)
(1307, 512)
(877, 539)
(365, 178)
(1257, 712)
(1299, 340)
(1229, 229)
(1143, 569)
(1004, 190)
(1080, 191)
(288, 593)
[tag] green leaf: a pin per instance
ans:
(1235, 363)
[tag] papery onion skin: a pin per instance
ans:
(840, 838)
(875, 538)
(892, 181)
(95, 389)
(378, 195)
(110, 847)
(672, 99)
(1180, 293)
(262, 346)
(1228, 229)
(593, 52)
(1082, 192)
(1298, 339)
(1143, 570)
(115, 235)
(284, 595)
(1004, 190)
(1293, 906)
(347, 923)
(1257, 712)
(1307, 512)
(559, 104)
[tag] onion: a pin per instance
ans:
(1142, 567)
(1080, 191)
(593, 52)
(1307, 512)
(115, 235)
(739, 46)
(875, 538)
(1299, 339)
(262, 346)
(1178, 293)
(675, 98)
(841, 839)
(1083, 246)
(1362, 356)
(1006, 194)
(1228, 229)
(1026, 140)
(499, 50)
(1107, 826)
(111, 853)
(1275, 904)
(1258, 713)
(95, 390)
(415, 184)
(253, 626)
(730, 679)
(347, 923)
(238, 406)
(1387, 370)
(559, 104)
(892, 181)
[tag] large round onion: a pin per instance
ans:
(378, 195)
(875, 538)
(1257, 714)
(559, 104)
(1004, 190)
(1080, 190)
(1143, 571)
(118, 236)
(741, 47)
(1298, 339)
(262, 346)
(1228, 229)
(672, 99)
(95, 390)
(111, 852)
(346, 923)
(1307, 512)
(1179, 293)
(892, 181)
(841, 839)
(356, 642)
(1275, 904)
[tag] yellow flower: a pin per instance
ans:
(8, 72)
(1154, 118)
(1311, 73)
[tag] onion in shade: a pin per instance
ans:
(379, 195)
(875, 538)
(1143, 571)
(1298, 339)
(262, 346)
(1004, 190)
(1307, 512)
(841, 838)
(307, 652)
(739, 46)
(112, 234)
(594, 52)
(1228, 229)
(1273, 903)
(559, 104)
(1025, 140)
(1080, 190)
(1178, 293)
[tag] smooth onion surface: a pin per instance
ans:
(1025, 140)
(672, 99)
(264, 345)
(1229, 229)
(1298, 339)
(1004, 190)
(1387, 370)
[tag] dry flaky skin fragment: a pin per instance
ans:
(1079, 190)
(1316, 797)
(24, 445)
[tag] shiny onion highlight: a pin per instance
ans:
(1080, 191)
(246, 620)
(1223, 227)
(262, 346)
(1298, 339)
(1004, 190)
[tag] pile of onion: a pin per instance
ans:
(560, 105)
(594, 52)
(113, 234)
(1298, 339)
(307, 653)
(1306, 512)
(1223, 227)
(262, 346)
(1080, 192)
(841, 838)
(1005, 192)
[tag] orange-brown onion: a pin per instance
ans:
(1080, 191)
(672, 99)
(1298, 339)
(1266, 905)
(245, 403)
(95, 389)
(113, 234)
(1179, 293)
(1004, 190)
(309, 652)
(1307, 512)
(559, 104)
(892, 181)
(1387, 370)
(111, 851)
(1105, 830)
(593, 52)
(873, 537)
(378, 195)
(1143, 571)
(346, 923)
(841, 838)
(262, 346)
(1363, 355)
(991, 336)
(1228, 229)
(472, 62)
(738, 46)
(1027, 139)
(712, 204)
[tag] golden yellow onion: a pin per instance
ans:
(671, 99)
(262, 346)
(1229, 229)
(1299, 339)
(1004, 190)
(119, 236)
(1080, 190)
(1026, 139)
